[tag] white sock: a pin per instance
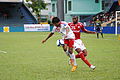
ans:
(67, 53)
(72, 56)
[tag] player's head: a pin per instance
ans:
(56, 21)
(75, 19)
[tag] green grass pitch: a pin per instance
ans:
(24, 57)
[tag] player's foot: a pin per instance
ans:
(74, 68)
(92, 67)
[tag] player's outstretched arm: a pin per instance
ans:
(87, 31)
(43, 41)
(90, 32)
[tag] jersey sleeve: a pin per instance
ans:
(53, 30)
(67, 26)
(83, 28)
(69, 23)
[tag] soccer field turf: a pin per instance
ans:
(24, 57)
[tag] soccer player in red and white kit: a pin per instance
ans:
(68, 36)
(78, 45)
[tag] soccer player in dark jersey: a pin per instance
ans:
(98, 27)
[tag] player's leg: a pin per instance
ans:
(72, 59)
(65, 47)
(97, 35)
(85, 52)
(79, 44)
(81, 55)
(69, 51)
(72, 55)
(101, 34)
(66, 50)
(81, 50)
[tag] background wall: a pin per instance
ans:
(86, 6)
(107, 30)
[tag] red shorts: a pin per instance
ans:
(69, 42)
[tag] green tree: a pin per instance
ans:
(37, 6)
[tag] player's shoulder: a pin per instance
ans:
(54, 28)
(80, 23)
(70, 23)
(63, 23)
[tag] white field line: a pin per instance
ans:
(2, 51)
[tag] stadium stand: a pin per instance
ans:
(15, 14)
(107, 16)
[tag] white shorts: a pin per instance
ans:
(79, 44)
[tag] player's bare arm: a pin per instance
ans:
(87, 31)
(67, 30)
(90, 32)
(47, 37)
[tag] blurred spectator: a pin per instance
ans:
(104, 17)
(98, 28)
(85, 23)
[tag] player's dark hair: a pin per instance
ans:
(55, 20)
(75, 17)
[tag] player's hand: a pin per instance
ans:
(43, 41)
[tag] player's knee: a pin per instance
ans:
(78, 50)
(85, 53)
(65, 50)
(70, 51)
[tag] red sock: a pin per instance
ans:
(84, 59)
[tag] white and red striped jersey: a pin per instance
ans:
(62, 29)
